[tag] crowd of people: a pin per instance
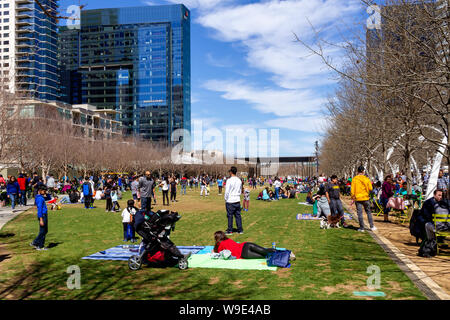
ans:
(322, 191)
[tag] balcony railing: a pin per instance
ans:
(25, 22)
(24, 7)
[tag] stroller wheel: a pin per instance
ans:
(134, 263)
(183, 264)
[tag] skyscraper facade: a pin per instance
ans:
(28, 48)
(134, 60)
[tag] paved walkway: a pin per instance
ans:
(6, 214)
(430, 275)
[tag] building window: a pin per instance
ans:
(6, 20)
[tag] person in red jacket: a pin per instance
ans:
(22, 190)
(245, 250)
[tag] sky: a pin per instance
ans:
(247, 70)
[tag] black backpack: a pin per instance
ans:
(428, 248)
(416, 228)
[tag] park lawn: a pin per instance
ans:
(331, 264)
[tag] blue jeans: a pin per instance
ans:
(359, 209)
(12, 197)
(384, 203)
(146, 203)
(40, 239)
(277, 190)
(234, 210)
(183, 189)
(23, 197)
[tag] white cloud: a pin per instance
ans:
(218, 62)
(280, 102)
(266, 30)
(313, 124)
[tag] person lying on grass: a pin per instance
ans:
(245, 250)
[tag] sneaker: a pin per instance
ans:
(229, 233)
(41, 249)
(292, 257)
(374, 228)
(242, 232)
(33, 245)
(360, 230)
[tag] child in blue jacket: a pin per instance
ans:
(39, 242)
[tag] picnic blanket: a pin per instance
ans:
(200, 258)
(205, 261)
(306, 204)
(124, 252)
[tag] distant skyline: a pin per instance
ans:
(249, 72)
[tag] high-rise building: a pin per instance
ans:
(134, 60)
(28, 48)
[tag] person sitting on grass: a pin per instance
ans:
(265, 194)
(309, 198)
(292, 193)
(245, 250)
(323, 204)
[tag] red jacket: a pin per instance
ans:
(22, 183)
(234, 247)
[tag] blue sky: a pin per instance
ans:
(248, 72)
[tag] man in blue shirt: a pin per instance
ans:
(39, 242)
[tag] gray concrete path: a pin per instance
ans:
(7, 214)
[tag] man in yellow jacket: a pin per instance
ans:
(361, 188)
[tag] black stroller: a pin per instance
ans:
(155, 228)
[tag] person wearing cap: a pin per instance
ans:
(39, 242)
(233, 190)
(360, 190)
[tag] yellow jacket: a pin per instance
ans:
(361, 187)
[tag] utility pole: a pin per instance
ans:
(317, 157)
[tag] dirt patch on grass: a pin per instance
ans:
(238, 284)
(214, 280)
(342, 288)
(284, 273)
(309, 286)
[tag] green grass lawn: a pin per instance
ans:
(330, 264)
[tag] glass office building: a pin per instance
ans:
(30, 40)
(133, 60)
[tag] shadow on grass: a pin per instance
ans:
(112, 280)
(4, 257)
(7, 235)
(54, 244)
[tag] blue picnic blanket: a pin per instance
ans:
(124, 252)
